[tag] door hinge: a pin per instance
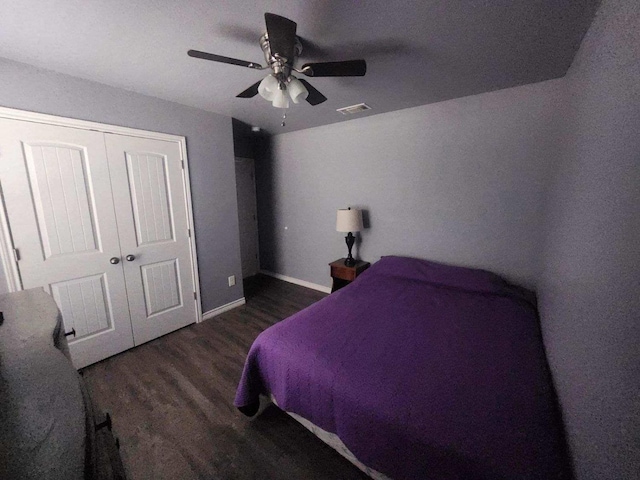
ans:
(16, 254)
(195, 296)
(182, 162)
(189, 232)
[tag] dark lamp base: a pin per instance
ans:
(350, 239)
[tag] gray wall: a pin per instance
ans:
(590, 288)
(540, 183)
(209, 147)
(460, 181)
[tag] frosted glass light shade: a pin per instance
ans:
(268, 87)
(281, 99)
(297, 90)
(349, 220)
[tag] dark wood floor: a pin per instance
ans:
(172, 401)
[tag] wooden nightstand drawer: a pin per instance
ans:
(342, 275)
(342, 272)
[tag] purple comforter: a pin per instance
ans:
(423, 370)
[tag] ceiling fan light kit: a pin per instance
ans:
(281, 48)
(279, 93)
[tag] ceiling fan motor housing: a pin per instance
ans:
(281, 66)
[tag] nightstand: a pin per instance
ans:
(343, 275)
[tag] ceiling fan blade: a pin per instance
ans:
(221, 59)
(250, 92)
(282, 35)
(314, 97)
(348, 68)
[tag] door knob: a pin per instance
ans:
(130, 258)
(114, 260)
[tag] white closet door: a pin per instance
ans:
(57, 192)
(150, 203)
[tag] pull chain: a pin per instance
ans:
(284, 117)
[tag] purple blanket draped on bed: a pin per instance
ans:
(423, 370)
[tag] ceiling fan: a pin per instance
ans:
(281, 48)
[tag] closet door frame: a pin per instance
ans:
(8, 262)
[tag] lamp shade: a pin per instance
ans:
(349, 220)
(268, 87)
(297, 90)
(281, 99)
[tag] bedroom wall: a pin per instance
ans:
(460, 181)
(209, 146)
(589, 293)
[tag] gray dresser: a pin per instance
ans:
(47, 421)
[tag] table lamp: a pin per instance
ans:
(349, 221)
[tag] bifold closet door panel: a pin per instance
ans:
(150, 205)
(56, 187)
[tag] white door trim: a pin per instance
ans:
(6, 251)
(192, 232)
(84, 124)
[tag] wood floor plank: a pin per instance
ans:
(171, 401)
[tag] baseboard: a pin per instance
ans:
(223, 308)
(302, 283)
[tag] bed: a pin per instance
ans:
(422, 370)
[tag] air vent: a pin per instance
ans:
(361, 107)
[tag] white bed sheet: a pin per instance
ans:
(329, 438)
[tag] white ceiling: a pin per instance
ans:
(417, 52)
